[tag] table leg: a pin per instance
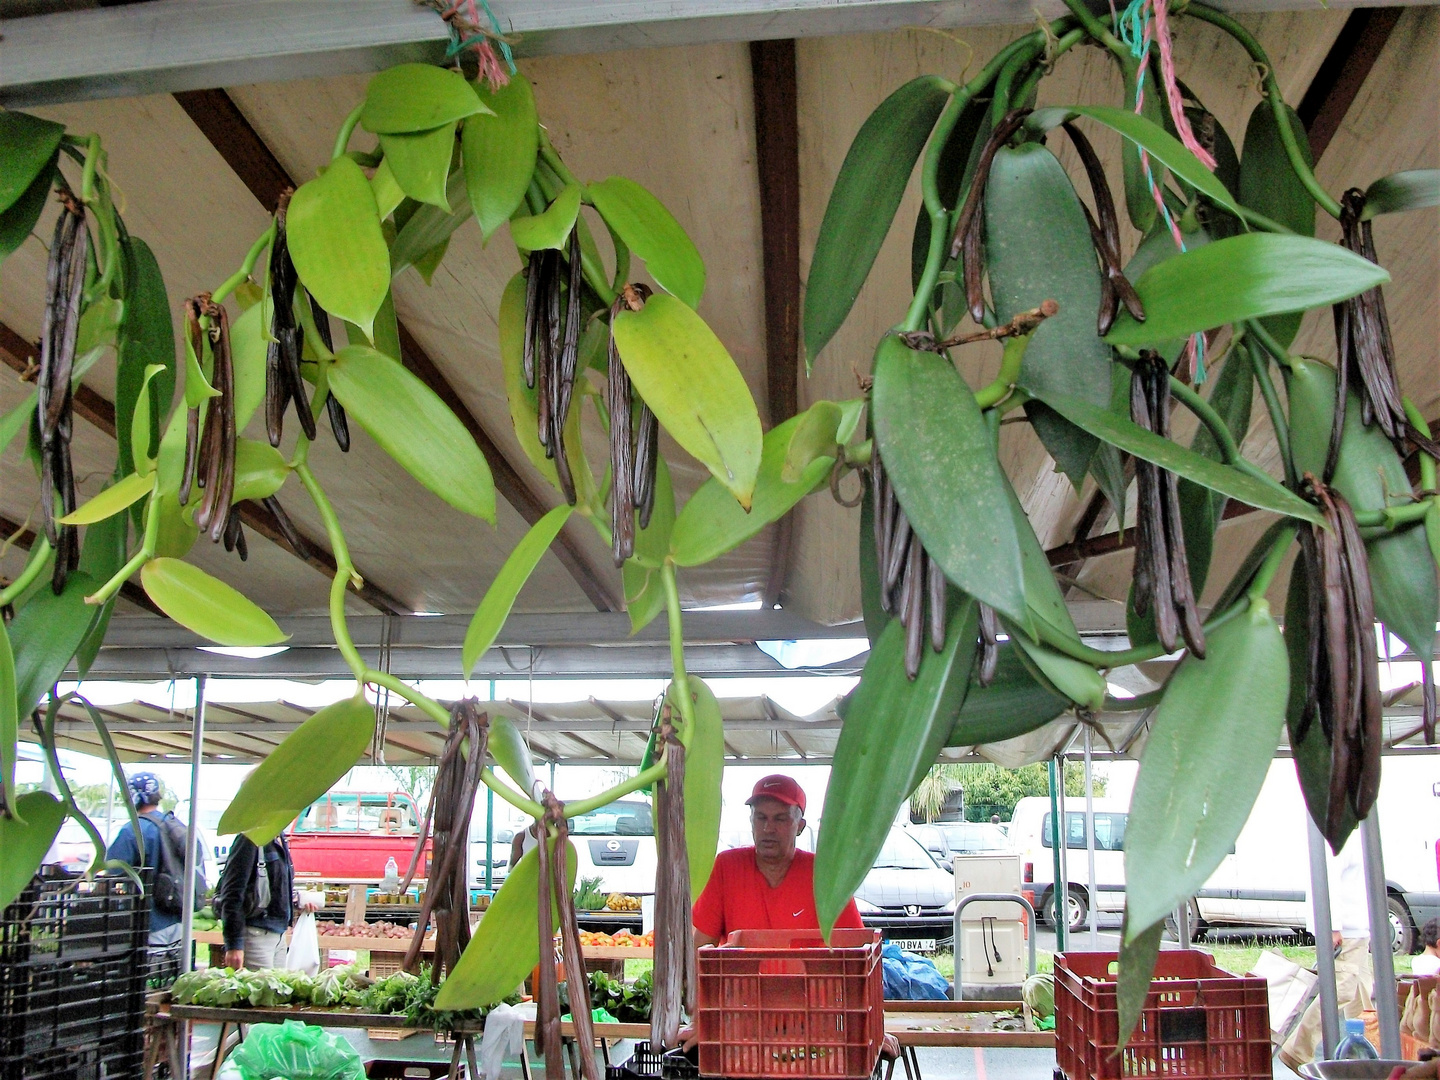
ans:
(572, 1050)
(525, 1061)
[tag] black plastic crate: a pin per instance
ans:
(650, 1064)
(72, 979)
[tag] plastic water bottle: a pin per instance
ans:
(1355, 1046)
(391, 882)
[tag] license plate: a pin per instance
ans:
(914, 944)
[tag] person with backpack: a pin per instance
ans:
(164, 837)
(256, 902)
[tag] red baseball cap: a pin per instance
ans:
(779, 787)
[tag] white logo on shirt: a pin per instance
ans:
(798, 913)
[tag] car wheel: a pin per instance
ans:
(1197, 928)
(1077, 909)
(1402, 928)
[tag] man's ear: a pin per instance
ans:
(799, 825)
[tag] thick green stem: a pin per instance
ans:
(1254, 328)
(642, 779)
(1427, 463)
(1271, 566)
(1099, 658)
(1277, 102)
(235, 280)
(342, 139)
(39, 555)
(1393, 517)
(140, 558)
(1261, 368)
(510, 795)
(1138, 703)
(116, 771)
(1211, 419)
(677, 645)
(68, 797)
(989, 396)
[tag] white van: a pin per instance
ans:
(1263, 882)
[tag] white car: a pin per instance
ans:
(616, 844)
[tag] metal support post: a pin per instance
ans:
(489, 839)
(1387, 1006)
(1324, 950)
(197, 742)
(1090, 843)
(1059, 895)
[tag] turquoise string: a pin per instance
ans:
(459, 44)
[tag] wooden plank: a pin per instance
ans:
(227, 129)
(1343, 73)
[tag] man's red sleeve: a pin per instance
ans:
(849, 918)
(707, 914)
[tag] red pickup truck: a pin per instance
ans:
(352, 834)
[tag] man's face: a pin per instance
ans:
(774, 826)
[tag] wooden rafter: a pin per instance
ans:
(225, 126)
(23, 537)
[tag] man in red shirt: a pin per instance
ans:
(770, 886)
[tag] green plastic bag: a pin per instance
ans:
(296, 1051)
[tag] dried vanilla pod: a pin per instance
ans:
(632, 461)
(283, 381)
(547, 989)
(235, 535)
(215, 456)
(674, 935)
(551, 347)
(64, 288)
(1162, 572)
(287, 527)
(578, 988)
(912, 585)
(969, 236)
(989, 644)
(339, 423)
(1115, 287)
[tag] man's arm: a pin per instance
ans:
(234, 888)
(702, 939)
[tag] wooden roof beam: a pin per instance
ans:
(23, 537)
(225, 126)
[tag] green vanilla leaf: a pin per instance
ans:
(420, 162)
(704, 771)
(1014, 704)
(416, 97)
(414, 427)
(1269, 186)
(102, 555)
(1138, 953)
(27, 146)
(333, 231)
(16, 420)
(9, 720)
(713, 523)
(143, 430)
(308, 763)
(19, 220)
(112, 500)
(25, 838)
(1072, 679)
(206, 605)
(260, 470)
(940, 458)
(1156, 248)
(1148, 446)
(814, 436)
(248, 344)
(147, 338)
(1242, 277)
(686, 376)
(876, 617)
(863, 204)
(499, 151)
(894, 728)
(507, 746)
(1028, 266)
(640, 576)
(45, 634)
(429, 226)
(651, 232)
(428, 263)
(1150, 137)
(177, 532)
(388, 193)
(1412, 189)
(1139, 201)
(99, 330)
(506, 947)
(495, 608)
(552, 228)
(1211, 741)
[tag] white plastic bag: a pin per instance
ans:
(504, 1036)
(304, 952)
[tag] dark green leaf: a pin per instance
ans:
(495, 608)
(951, 176)
(45, 633)
(147, 336)
(1029, 265)
(704, 771)
(428, 226)
(894, 728)
(25, 838)
(417, 97)
(310, 760)
(27, 145)
(9, 721)
(333, 231)
(1401, 191)
(863, 203)
(206, 605)
(499, 152)
(1139, 201)
(17, 420)
(1138, 953)
(1269, 186)
(506, 947)
(420, 162)
(1157, 248)
(1014, 704)
(414, 427)
(1231, 397)
(1148, 446)
(713, 523)
(876, 618)
(101, 556)
(1242, 277)
(18, 221)
(651, 232)
(941, 460)
(1210, 745)
(686, 376)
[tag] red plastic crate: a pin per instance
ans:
(778, 1003)
(1198, 1020)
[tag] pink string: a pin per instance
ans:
(1144, 157)
(1172, 89)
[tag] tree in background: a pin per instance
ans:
(991, 790)
(415, 780)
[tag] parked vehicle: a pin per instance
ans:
(616, 843)
(352, 834)
(1263, 881)
(946, 839)
(907, 895)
